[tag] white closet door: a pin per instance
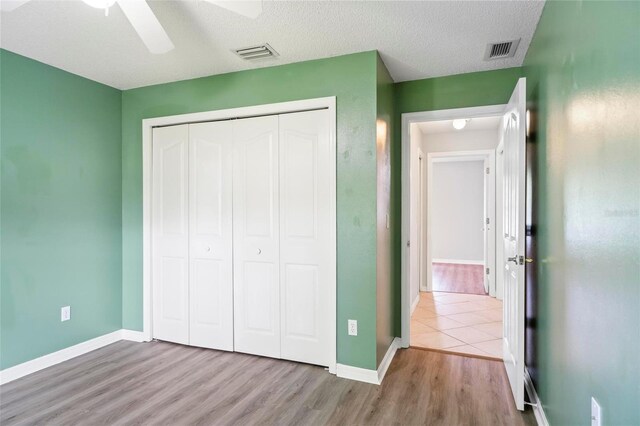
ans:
(210, 236)
(307, 247)
(256, 234)
(170, 233)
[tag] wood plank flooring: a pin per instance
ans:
(458, 278)
(166, 384)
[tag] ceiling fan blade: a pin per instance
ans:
(9, 5)
(249, 8)
(146, 25)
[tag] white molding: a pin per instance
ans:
(538, 410)
(370, 376)
(357, 373)
(148, 124)
(134, 336)
(459, 261)
(12, 373)
(388, 357)
(415, 302)
(406, 121)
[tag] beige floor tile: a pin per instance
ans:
(441, 323)
(422, 313)
(492, 314)
(435, 340)
(491, 303)
(468, 349)
(451, 298)
(456, 308)
(492, 347)
(469, 318)
(469, 335)
(492, 328)
(418, 327)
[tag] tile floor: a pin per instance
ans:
(464, 323)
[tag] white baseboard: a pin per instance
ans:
(12, 373)
(538, 411)
(370, 376)
(134, 336)
(388, 357)
(415, 302)
(357, 373)
(458, 261)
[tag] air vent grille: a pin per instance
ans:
(501, 50)
(261, 51)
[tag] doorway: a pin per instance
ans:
(456, 309)
(446, 320)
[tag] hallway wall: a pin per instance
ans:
(583, 71)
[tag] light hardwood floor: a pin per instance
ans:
(458, 278)
(162, 383)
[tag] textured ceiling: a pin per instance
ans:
(446, 126)
(416, 39)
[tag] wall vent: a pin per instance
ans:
(501, 50)
(261, 51)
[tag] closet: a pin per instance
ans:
(242, 253)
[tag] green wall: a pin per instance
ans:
(583, 71)
(457, 91)
(385, 284)
(60, 209)
(352, 79)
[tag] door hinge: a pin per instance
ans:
(487, 221)
(487, 170)
(487, 271)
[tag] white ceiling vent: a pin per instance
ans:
(261, 51)
(503, 49)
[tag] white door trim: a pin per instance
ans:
(407, 120)
(422, 229)
(489, 200)
(148, 124)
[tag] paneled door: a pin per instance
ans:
(256, 231)
(210, 235)
(514, 186)
(307, 244)
(170, 234)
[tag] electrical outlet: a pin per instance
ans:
(596, 413)
(353, 327)
(65, 313)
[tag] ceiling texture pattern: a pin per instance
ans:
(416, 39)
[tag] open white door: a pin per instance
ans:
(514, 128)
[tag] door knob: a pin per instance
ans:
(259, 251)
(208, 249)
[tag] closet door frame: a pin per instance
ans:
(148, 124)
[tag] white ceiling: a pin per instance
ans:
(446, 126)
(416, 39)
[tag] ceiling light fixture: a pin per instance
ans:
(101, 4)
(460, 123)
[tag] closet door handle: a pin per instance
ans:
(259, 251)
(208, 248)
